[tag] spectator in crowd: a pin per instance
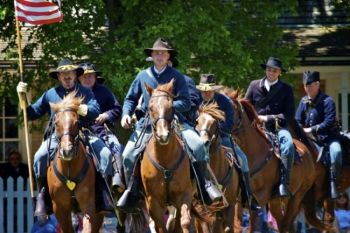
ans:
(14, 167)
(342, 213)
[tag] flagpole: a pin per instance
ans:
(23, 104)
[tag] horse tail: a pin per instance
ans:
(309, 205)
(136, 222)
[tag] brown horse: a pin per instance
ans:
(208, 128)
(321, 186)
(71, 175)
(264, 169)
(165, 167)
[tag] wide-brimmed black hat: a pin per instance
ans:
(310, 77)
(274, 63)
(207, 83)
(66, 65)
(162, 45)
(90, 69)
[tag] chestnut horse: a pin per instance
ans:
(165, 167)
(264, 169)
(71, 175)
(208, 127)
(321, 186)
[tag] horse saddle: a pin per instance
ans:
(275, 146)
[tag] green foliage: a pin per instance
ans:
(228, 38)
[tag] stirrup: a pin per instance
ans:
(129, 202)
(283, 191)
(333, 190)
(213, 192)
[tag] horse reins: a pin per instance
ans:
(69, 182)
(167, 173)
(168, 119)
(239, 127)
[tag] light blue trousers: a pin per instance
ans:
(227, 141)
(131, 153)
(46, 148)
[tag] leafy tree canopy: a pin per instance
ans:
(227, 38)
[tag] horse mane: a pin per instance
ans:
(213, 110)
(69, 101)
(238, 95)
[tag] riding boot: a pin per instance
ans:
(40, 206)
(333, 181)
(104, 200)
(286, 165)
(247, 192)
(118, 181)
(129, 202)
(210, 193)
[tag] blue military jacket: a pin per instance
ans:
(196, 100)
(320, 115)
(279, 108)
(181, 102)
(226, 106)
(55, 95)
(109, 105)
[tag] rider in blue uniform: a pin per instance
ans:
(209, 94)
(274, 103)
(316, 113)
(160, 73)
(66, 73)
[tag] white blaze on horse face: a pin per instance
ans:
(162, 127)
(204, 129)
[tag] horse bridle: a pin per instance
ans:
(211, 135)
(237, 126)
(168, 119)
(75, 136)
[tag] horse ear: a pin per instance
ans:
(53, 106)
(149, 89)
(170, 85)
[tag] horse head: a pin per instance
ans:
(208, 123)
(67, 125)
(161, 111)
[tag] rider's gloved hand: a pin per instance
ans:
(101, 119)
(82, 110)
(126, 122)
(307, 130)
(22, 87)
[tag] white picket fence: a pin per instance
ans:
(16, 210)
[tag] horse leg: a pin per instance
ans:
(98, 221)
(157, 213)
(64, 218)
(90, 221)
(121, 217)
(185, 220)
(328, 206)
(237, 217)
(228, 216)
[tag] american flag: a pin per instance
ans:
(37, 12)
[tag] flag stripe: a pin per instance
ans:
(37, 12)
(38, 22)
(41, 3)
(36, 9)
(39, 17)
